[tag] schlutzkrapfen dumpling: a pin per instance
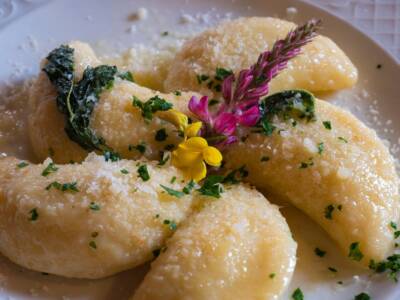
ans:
(336, 170)
(114, 118)
(235, 45)
(236, 247)
(88, 220)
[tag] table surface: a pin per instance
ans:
(380, 19)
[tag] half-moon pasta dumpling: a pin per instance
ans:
(236, 45)
(336, 170)
(236, 247)
(114, 118)
(88, 220)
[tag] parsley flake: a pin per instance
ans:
(391, 264)
(151, 106)
(327, 125)
(161, 135)
(342, 139)
(189, 187)
(319, 252)
(92, 244)
(328, 211)
(51, 168)
(94, 206)
(22, 164)
(362, 296)
(212, 186)
(124, 171)
(321, 148)
(298, 294)
(173, 192)
(272, 275)
(171, 224)
(140, 147)
(355, 252)
(126, 76)
(143, 172)
(64, 187)
(34, 214)
(333, 270)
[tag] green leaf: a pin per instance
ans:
(76, 100)
(222, 73)
(287, 104)
(189, 187)
(143, 172)
(173, 192)
(51, 168)
(212, 186)
(355, 252)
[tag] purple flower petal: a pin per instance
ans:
(227, 88)
(225, 124)
(249, 117)
(200, 108)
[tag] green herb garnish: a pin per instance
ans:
(222, 73)
(111, 156)
(298, 294)
(94, 206)
(287, 104)
(321, 148)
(143, 172)
(391, 265)
(327, 125)
(355, 252)
(140, 147)
(319, 252)
(342, 139)
(189, 187)
(34, 214)
(51, 168)
(172, 192)
(333, 270)
(151, 106)
(76, 100)
(328, 211)
(362, 296)
(64, 187)
(161, 135)
(212, 186)
(272, 275)
(171, 224)
(92, 244)
(126, 76)
(22, 164)
(124, 171)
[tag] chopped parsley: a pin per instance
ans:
(212, 186)
(221, 74)
(327, 125)
(22, 164)
(92, 244)
(94, 206)
(333, 270)
(236, 175)
(173, 179)
(140, 147)
(298, 294)
(355, 252)
(161, 135)
(151, 106)
(264, 158)
(189, 187)
(126, 76)
(306, 164)
(287, 104)
(391, 265)
(64, 187)
(172, 192)
(163, 160)
(143, 172)
(34, 214)
(171, 224)
(319, 252)
(272, 275)
(321, 148)
(362, 296)
(51, 168)
(328, 211)
(178, 93)
(111, 156)
(342, 139)
(124, 171)
(396, 233)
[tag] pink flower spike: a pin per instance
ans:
(225, 124)
(200, 108)
(227, 88)
(249, 117)
(228, 141)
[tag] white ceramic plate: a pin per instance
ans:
(30, 28)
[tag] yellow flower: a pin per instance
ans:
(192, 129)
(175, 117)
(192, 155)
